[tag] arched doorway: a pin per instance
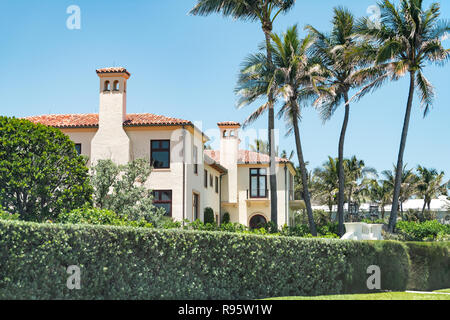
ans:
(257, 221)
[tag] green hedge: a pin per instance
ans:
(139, 263)
(430, 265)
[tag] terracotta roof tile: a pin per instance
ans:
(91, 120)
(228, 123)
(246, 157)
(113, 70)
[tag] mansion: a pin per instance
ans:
(186, 178)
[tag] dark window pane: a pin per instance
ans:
(78, 147)
(155, 144)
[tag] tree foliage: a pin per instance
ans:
(41, 173)
(121, 189)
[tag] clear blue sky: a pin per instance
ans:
(185, 66)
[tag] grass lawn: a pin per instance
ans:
(378, 296)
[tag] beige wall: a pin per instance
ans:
(172, 179)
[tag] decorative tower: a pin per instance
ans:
(111, 141)
(229, 153)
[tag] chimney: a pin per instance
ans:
(111, 140)
(229, 153)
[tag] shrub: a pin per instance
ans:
(120, 188)
(430, 265)
(8, 216)
(226, 218)
(209, 216)
(41, 173)
(139, 263)
(422, 231)
(100, 217)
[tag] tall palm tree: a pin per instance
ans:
(339, 54)
(293, 77)
(264, 11)
(430, 185)
(297, 76)
(409, 38)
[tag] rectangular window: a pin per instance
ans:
(195, 156)
(163, 199)
(206, 179)
(211, 179)
(195, 206)
(78, 148)
(160, 154)
(258, 183)
(217, 185)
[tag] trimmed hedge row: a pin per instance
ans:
(430, 265)
(138, 263)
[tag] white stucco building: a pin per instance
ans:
(186, 178)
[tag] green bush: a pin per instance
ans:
(209, 216)
(8, 216)
(139, 263)
(226, 218)
(41, 173)
(430, 265)
(100, 217)
(422, 231)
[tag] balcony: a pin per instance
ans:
(295, 204)
(257, 197)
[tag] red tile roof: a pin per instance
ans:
(91, 120)
(246, 156)
(113, 70)
(228, 123)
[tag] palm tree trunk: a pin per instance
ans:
(399, 171)
(306, 196)
(267, 28)
(341, 176)
(424, 205)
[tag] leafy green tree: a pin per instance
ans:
(264, 11)
(121, 189)
(409, 38)
(430, 185)
(357, 179)
(381, 193)
(41, 173)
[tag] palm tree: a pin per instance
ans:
(264, 11)
(297, 75)
(407, 186)
(381, 193)
(409, 38)
(357, 176)
(339, 54)
(430, 185)
(326, 184)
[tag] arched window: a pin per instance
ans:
(116, 86)
(107, 86)
(257, 221)
(224, 133)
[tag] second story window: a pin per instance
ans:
(205, 179)
(211, 180)
(217, 185)
(258, 183)
(160, 154)
(195, 159)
